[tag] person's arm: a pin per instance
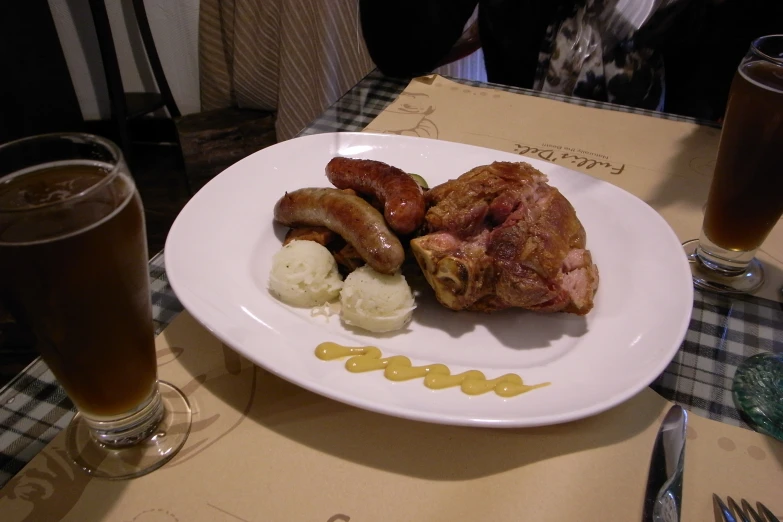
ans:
(412, 37)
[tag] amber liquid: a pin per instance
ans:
(746, 196)
(77, 277)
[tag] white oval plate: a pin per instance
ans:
(219, 252)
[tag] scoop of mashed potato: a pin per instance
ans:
(304, 274)
(376, 302)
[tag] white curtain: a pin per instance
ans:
(295, 57)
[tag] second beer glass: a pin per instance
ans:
(746, 196)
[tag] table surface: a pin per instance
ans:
(723, 331)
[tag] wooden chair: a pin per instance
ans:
(126, 106)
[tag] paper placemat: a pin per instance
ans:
(668, 164)
(262, 449)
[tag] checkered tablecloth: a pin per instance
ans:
(722, 333)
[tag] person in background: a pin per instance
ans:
(673, 55)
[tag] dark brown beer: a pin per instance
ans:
(746, 196)
(73, 268)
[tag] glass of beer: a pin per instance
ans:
(73, 271)
(746, 196)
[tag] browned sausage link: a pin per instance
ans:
(349, 216)
(400, 195)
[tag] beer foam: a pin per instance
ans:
(17, 193)
(20, 198)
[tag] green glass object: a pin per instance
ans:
(758, 392)
(420, 181)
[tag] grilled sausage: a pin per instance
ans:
(349, 216)
(400, 195)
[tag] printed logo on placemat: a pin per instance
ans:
(408, 115)
(571, 156)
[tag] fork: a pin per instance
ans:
(735, 513)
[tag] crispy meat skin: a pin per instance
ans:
(500, 237)
(321, 235)
(344, 253)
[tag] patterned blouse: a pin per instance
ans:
(590, 55)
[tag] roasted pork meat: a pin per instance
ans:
(499, 237)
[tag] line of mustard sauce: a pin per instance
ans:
(436, 376)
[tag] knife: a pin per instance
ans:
(663, 498)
